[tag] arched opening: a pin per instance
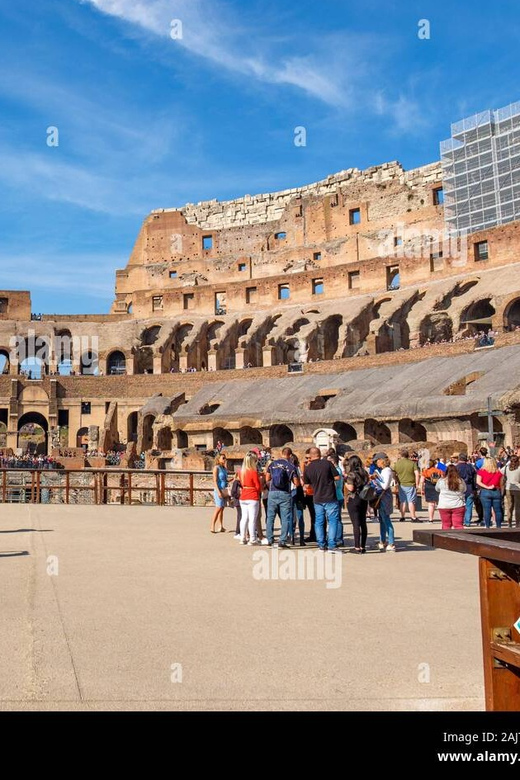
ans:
(480, 424)
(32, 368)
(436, 328)
(144, 361)
(377, 432)
(280, 435)
(148, 432)
(411, 431)
(116, 363)
(82, 438)
(182, 439)
(129, 308)
(33, 430)
(220, 434)
(477, 317)
(164, 439)
(63, 351)
(89, 363)
(512, 315)
(150, 335)
(250, 435)
(131, 427)
(4, 361)
(345, 431)
(3, 435)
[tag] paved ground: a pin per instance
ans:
(148, 610)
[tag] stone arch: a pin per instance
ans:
(131, 427)
(324, 340)
(224, 436)
(148, 422)
(280, 435)
(176, 345)
(410, 431)
(116, 363)
(377, 432)
(249, 435)
(144, 360)
(150, 335)
(435, 328)
(345, 431)
(34, 419)
(164, 439)
(477, 316)
(512, 315)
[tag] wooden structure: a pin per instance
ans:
(498, 550)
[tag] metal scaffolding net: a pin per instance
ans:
(481, 170)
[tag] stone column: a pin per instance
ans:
(212, 360)
(394, 431)
(239, 358)
(267, 356)
(157, 364)
(359, 427)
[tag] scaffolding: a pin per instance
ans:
(481, 171)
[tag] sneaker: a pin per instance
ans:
(243, 541)
(335, 551)
(265, 541)
(237, 536)
(402, 519)
(391, 548)
(284, 546)
(322, 549)
(254, 542)
(381, 545)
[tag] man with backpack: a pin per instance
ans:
(280, 476)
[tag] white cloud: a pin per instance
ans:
(210, 33)
(74, 273)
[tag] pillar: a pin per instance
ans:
(212, 360)
(157, 364)
(394, 431)
(239, 358)
(183, 361)
(267, 356)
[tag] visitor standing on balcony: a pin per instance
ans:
(220, 492)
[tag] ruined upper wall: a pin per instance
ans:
(269, 207)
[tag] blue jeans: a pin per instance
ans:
(386, 529)
(339, 535)
(278, 500)
(470, 500)
(297, 515)
(330, 511)
(491, 499)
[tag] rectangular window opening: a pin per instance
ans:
(251, 294)
(317, 286)
(353, 280)
(354, 216)
(481, 251)
(284, 292)
(207, 242)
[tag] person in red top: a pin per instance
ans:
(490, 481)
(249, 498)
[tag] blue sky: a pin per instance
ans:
(147, 121)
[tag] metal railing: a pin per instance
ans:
(106, 486)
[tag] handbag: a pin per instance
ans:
(368, 492)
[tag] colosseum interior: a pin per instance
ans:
(341, 304)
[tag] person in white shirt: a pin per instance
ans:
(452, 499)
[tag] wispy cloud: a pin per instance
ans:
(208, 31)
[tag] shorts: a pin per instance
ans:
(219, 501)
(407, 494)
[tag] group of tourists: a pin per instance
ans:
(325, 485)
(28, 461)
(480, 482)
